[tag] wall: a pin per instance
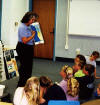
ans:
(61, 26)
(12, 11)
(86, 44)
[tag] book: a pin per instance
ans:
(38, 39)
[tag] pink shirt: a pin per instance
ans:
(63, 85)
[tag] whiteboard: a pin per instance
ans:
(84, 17)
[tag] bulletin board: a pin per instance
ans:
(84, 18)
(11, 64)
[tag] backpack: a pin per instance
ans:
(72, 87)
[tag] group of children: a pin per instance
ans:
(79, 80)
(85, 72)
(77, 84)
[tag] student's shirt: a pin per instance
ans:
(86, 86)
(63, 85)
(88, 61)
(79, 73)
(54, 92)
(20, 97)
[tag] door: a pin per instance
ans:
(46, 11)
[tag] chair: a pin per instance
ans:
(63, 102)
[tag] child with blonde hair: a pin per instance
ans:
(29, 94)
(69, 84)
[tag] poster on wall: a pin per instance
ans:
(11, 64)
(38, 35)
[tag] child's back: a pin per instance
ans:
(67, 83)
(72, 89)
(86, 83)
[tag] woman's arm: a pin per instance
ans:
(27, 39)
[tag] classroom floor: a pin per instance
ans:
(43, 67)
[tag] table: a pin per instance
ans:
(93, 102)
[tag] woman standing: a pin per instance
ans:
(24, 47)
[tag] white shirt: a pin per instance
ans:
(88, 61)
(20, 97)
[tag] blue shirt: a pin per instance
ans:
(25, 31)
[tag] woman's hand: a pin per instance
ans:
(33, 33)
(25, 39)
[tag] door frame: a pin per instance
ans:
(30, 5)
(0, 17)
(30, 9)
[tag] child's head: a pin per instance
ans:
(80, 58)
(79, 66)
(89, 69)
(31, 83)
(95, 55)
(45, 81)
(66, 72)
(32, 90)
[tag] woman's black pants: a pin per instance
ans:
(25, 55)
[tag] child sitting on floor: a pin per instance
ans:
(69, 84)
(86, 83)
(50, 91)
(92, 60)
(29, 94)
(79, 72)
(79, 59)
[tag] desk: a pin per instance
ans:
(4, 103)
(93, 102)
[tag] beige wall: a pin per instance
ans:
(12, 11)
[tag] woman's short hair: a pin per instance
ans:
(28, 16)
